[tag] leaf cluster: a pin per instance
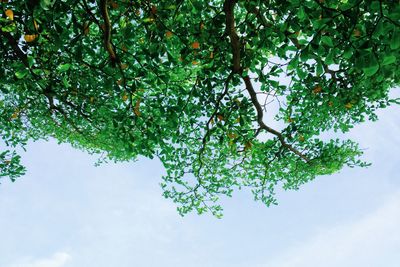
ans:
(189, 82)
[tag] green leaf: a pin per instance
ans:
(329, 59)
(327, 41)
(21, 74)
(348, 52)
(301, 14)
(319, 69)
(389, 59)
(31, 61)
(369, 71)
(371, 65)
(293, 63)
(395, 41)
(46, 4)
(302, 74)
(148, 20)
(395, 101)
(64, 67)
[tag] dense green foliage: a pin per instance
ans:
(190, 82)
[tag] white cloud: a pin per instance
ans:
(371, 241)
(59, 259)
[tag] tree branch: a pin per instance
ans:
(17, 50)
(229, 6)
(260, 114)
(235, 44)
(107, 30)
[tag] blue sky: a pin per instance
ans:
(67, 213)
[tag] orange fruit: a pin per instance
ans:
(247, 145)
(9, 14)
(136, 109)
(14, 115)
(86, 28)
(169, 34)
(195, 45)
(348, 105)
(357, 33)
(30, 37)
(317, 89)
(232, 135)
(114, 5)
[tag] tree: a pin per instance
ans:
(190, 82)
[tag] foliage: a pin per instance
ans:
(189, 82)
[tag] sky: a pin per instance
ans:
(68, 213)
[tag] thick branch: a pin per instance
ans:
(260, 114)
(235, 44)
(14, 44)
(107, 30)
(229, 6)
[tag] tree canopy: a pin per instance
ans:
(194, 83)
